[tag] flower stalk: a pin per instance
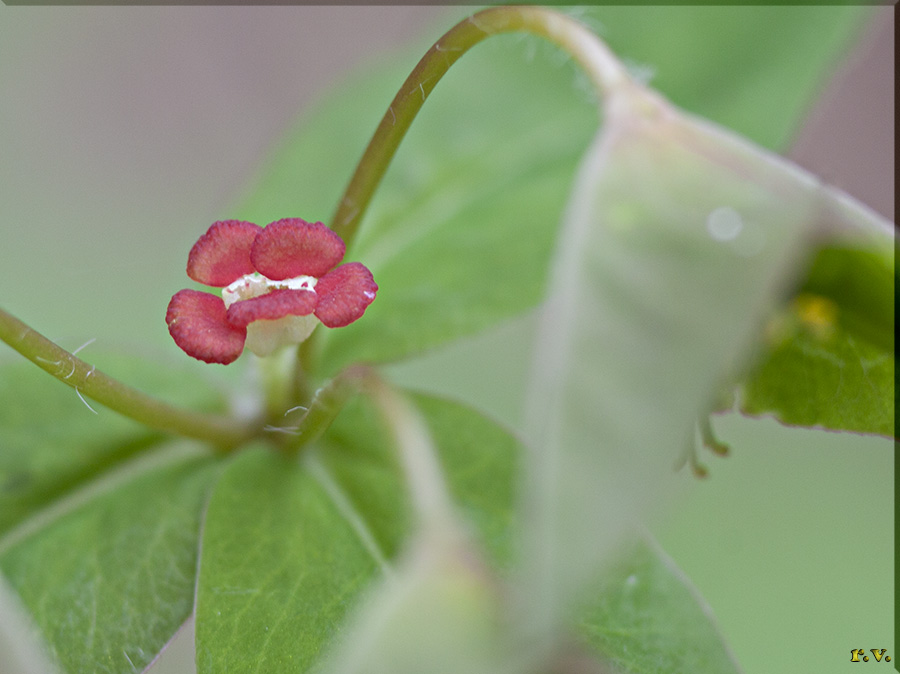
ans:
(325, 405)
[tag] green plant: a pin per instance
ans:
(683, 250)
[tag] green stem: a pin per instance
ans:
(604, 70)
(325, 405)
(303, 365)
(221, 431)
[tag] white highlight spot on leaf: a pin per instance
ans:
(724, 224)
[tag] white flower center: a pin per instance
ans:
(255, 284)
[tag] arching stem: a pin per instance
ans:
(219, 430)
(598, 62)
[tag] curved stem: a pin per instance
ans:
(604, 70)
(221, 431)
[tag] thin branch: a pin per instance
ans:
(601, 66)
(221, 431)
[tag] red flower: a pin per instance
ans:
(278, 282)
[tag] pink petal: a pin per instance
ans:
(293, 247)
(344, 294)
(272, 306)
(198, 325)
(222, 255)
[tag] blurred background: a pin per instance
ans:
(124, 132)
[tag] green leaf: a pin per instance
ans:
(53, 442)
(288, 546)
(860, 283)
(479, 459)
(824, 378)
(460, 232)
(649, 619)
(828, 358)
(99, 517)
(281, 563)
(442, 606)
(108, 575)
(275, 535)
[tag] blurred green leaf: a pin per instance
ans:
(828, 358)
(482, 463)
(680, 239)
(108, 576)
(440, 613)
(754, 69)
(459, 235)
(648, 619)
(825, 378)
(861, 285)
(441, 608)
